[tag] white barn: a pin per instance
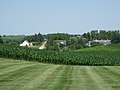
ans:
(26, 43)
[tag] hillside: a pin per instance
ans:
(24, 75)
(112, 47)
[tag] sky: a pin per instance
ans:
(53, 16)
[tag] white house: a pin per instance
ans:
(26, 43)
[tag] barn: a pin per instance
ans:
(26, 43)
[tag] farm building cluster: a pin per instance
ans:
(26, 43)
(104, 42)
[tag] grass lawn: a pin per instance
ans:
(25, 75)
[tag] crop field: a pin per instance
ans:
(25, 75)
(97, 56)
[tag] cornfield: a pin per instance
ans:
(92, 58)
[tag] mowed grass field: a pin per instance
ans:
(25, 75)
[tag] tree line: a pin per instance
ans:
(34, 38)
(113, 35)
(72, 41)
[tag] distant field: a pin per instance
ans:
(13, 38)
(25, 75)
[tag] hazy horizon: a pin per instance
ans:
(27, 17)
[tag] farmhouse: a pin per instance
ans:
(104, 42)
(26, 43)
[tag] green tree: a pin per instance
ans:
(88, 36)
(102, 34)
(40, 38)
(84, 35)
(56, 47)
(1, 40)
(115, 36)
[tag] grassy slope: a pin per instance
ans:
(112, 47)
(24, 75)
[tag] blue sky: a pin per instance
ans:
(51, 16)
